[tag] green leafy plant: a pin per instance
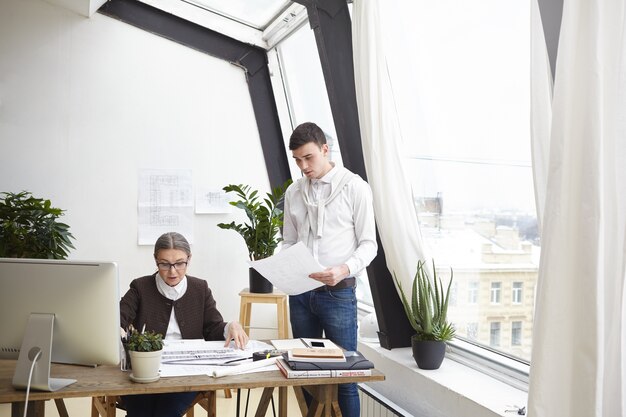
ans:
(143, 341)
(29, 228)
(428, 309)
(261, 233)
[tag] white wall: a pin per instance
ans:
(86, 103)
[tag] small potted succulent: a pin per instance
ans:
(144, 349)
(427, 314)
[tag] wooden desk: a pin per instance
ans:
(109, 381)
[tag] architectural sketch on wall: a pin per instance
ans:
(164, 204)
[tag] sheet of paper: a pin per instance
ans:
(211, 200)
(289, 269)
(164, 204)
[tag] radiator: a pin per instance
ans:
(374, 404)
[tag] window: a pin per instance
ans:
(516, 333)
(453, 294)
(494, 334)
(472, 292)
(468, 159)
(517, 292)
(495, 292)
(472, 330)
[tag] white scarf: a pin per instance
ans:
(314, 220)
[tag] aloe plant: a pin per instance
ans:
(428, 309)
(261, 233)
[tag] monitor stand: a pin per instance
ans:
(37, 338)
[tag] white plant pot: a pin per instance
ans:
(145, 365)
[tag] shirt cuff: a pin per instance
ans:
(352, 266)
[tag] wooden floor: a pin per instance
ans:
(226, 407)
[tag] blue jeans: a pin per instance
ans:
(158, 405)
(329, 314)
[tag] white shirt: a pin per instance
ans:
(174, 293)
(348, 232)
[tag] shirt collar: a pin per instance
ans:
(328, 178)
(172, 293)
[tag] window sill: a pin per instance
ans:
(452, 390)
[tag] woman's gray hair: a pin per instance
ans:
(172, 240)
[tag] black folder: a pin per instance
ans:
(354, 360)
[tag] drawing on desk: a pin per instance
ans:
(200, 357)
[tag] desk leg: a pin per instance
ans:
(324, 401)
(61, 407)
(264, 402)
(282, 402)
(35, 409)
(304, 409)
(103, 406)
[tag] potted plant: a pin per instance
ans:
(29, 228)
(144, 349)
(427, 314)
(261, 232)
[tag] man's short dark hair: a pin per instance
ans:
(305, 133)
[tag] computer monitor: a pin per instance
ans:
(66, 310)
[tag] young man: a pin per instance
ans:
(330, 210)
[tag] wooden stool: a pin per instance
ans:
(277, 297)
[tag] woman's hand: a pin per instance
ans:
(236, 333)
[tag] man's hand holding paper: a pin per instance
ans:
(289, 269)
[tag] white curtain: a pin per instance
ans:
(540, 108)
(384, 124)
(579, 335)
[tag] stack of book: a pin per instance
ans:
(323, 363)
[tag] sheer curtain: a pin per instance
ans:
(386, 114)
(579, 336)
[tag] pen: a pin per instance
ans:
(237, 360)
(305, 343)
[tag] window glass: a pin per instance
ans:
(516, 333)
(494, 338)
(495, 292)
(472, 292)
(517, 292)
(305, 87)
(468, 162)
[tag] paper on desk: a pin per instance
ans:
(203, 366)
(289, 269)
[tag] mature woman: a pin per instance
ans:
(178, 306)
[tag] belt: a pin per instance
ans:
(345, 283)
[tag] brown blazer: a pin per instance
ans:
(196, 311)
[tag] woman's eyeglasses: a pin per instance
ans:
(166, 266)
